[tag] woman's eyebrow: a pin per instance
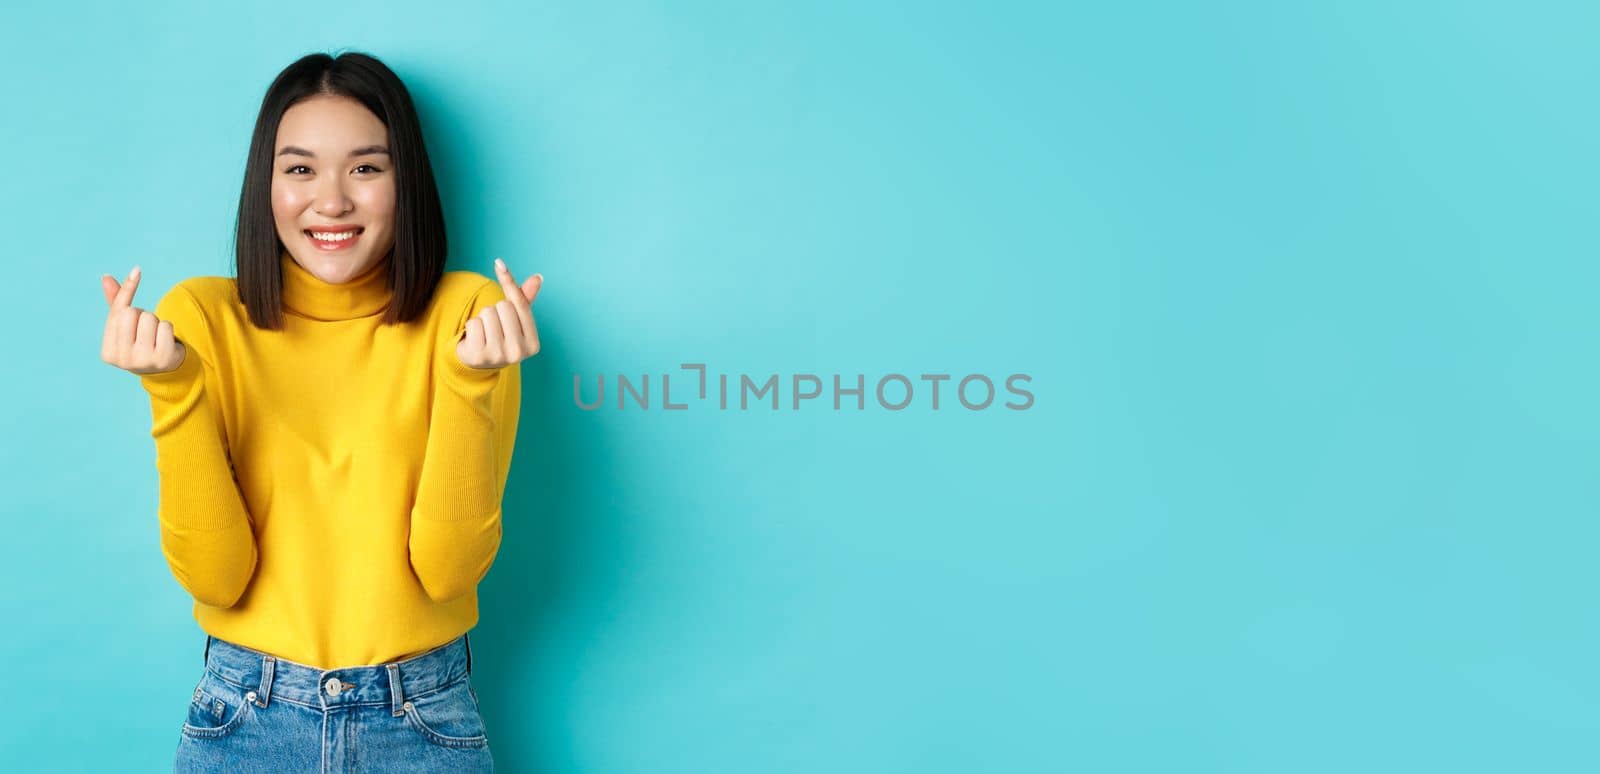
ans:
(368, 150)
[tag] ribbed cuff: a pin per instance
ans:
(174, 384)
(476, 379)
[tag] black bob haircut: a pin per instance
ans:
(419, 253)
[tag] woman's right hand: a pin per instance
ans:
(136, 340)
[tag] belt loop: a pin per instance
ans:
(397, 697)
(267, 664)
(206, 657)
(469, 652)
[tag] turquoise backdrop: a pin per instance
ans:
(1306, 296)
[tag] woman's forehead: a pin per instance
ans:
(330, 126)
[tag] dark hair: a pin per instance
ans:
(418, 257)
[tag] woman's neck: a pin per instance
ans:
(306, 295)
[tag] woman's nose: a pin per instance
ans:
(332, 202)
(332, 208)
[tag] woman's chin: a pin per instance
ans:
(334, 269)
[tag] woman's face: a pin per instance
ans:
(331, 169)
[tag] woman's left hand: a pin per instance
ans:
(504, 333)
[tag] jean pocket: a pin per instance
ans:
(448, 717)
(216, 708)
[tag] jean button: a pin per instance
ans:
(332, 686)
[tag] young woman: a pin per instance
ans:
(333, 430)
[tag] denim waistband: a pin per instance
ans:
(271, 677)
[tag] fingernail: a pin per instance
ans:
(135, 269)
(541, 278)
(499, 264)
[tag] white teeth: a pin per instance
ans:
(333, 237)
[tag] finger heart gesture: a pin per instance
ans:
(504, 333)
(135, 339)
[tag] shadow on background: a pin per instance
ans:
(548, 517)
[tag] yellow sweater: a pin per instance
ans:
(330, 492)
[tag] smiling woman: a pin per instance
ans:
(350, 184)
(333, 427)
(317, 187)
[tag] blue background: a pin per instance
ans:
(1307, 297)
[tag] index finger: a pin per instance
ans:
(513, 293)
(125, 293)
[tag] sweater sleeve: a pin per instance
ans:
(206, 532)
(455, 521)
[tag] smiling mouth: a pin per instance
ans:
(333, 240)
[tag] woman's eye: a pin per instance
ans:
(291, 170)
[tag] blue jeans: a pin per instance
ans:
(252, 712)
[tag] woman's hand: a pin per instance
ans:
(136, 340)
(504, 333)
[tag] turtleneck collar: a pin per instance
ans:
(364, 295)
